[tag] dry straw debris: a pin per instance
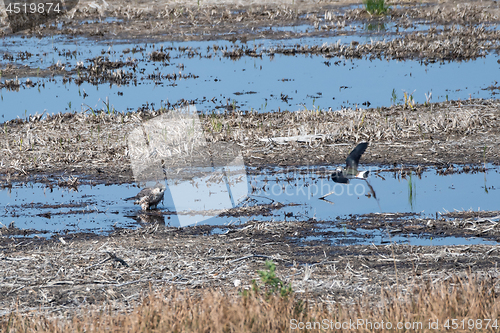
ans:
(96, 280)
(212, 311)
(91, 143)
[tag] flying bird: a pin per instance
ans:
(342, 175)
(149, 197)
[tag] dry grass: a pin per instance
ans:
(212, 311)
(87, 142)
(394, 123)
(87, 273)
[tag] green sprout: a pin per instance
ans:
(109, 109)
(412, 193)
(394, 97)
(409, 102)
(272, 282)
(484, 156)
(376, 7)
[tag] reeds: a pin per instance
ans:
(421, 309)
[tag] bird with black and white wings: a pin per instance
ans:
(342, 175)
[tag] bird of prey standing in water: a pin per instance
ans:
(149, 197)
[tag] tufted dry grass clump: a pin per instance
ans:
(466, 304)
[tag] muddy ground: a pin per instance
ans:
(238, 20)
(78, 272)
(65, 272)
(94, 147)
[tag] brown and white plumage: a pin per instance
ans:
(149, 197)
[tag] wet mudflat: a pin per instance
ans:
(84, 76)
(417, 206)
(433, 158)
(89, 272)
(429, 52)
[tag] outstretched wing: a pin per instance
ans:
(352, 160)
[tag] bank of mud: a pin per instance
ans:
(94, 146)
(82, 270)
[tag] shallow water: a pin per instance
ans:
(101, 208)
(364, 237)
(262, 84)
(429, 194)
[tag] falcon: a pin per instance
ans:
(342, 175)
(149, 197)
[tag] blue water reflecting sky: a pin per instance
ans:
(252, 83)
